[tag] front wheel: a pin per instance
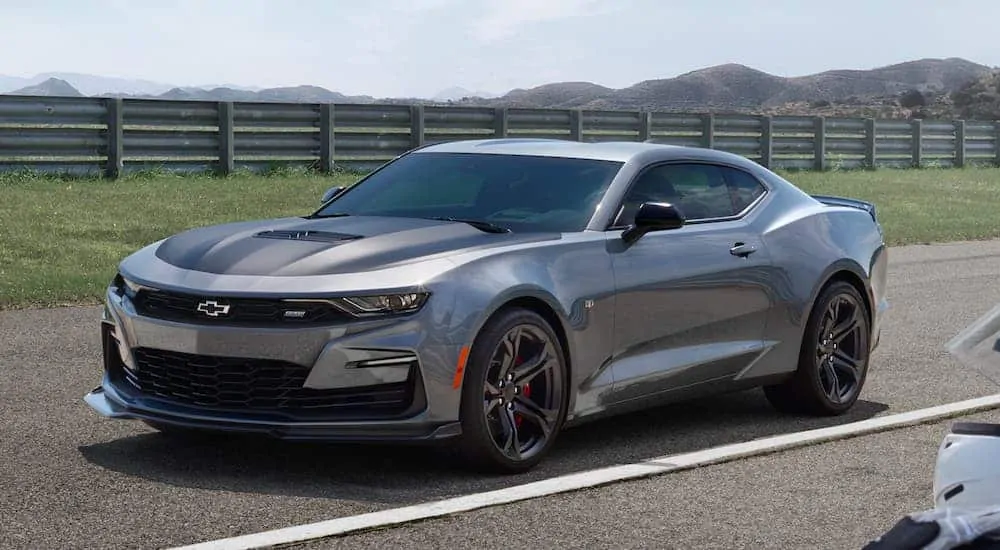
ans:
(833, 359)
(515, 394)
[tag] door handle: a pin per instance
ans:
(742, 250)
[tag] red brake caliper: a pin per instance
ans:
(525, 391)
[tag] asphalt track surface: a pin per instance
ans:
(73, 480)
(835, 496)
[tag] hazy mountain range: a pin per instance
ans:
(730, 87)
(93, 85)
(735, 87)
(79, 84)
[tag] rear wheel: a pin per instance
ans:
(833, 360)
(514, 397)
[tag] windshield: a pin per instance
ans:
(520, 193)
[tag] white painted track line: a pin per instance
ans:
(594, 478)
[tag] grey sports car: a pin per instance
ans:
(489, 293)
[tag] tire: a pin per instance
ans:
(484, 421)
(808, 391)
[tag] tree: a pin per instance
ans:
(979, 99)
(912, 98)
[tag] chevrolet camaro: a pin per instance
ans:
(487, 294)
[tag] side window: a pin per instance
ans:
(698, 190)
(744, 189)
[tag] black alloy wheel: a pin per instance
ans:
(841, 349)
(515, 393)
(833, 358)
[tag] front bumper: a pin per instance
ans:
(108, 403)
(366, 381)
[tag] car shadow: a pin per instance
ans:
(400, 475)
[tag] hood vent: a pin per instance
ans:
(305, 235)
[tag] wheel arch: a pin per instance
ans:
(843, 271)
(551, 316)
(546, 310)
(546, 306)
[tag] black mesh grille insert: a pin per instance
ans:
(257, 385)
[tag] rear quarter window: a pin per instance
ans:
(744, 188)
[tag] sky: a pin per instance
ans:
(399, 48)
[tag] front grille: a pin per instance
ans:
(261, 312)
(257, 385)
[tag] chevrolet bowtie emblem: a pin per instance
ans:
(213, 308)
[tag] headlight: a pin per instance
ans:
(131, 288)
(125, 287)
(384, 303)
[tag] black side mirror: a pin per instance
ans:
(331, 193)
(653, 216)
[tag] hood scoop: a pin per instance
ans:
(307, 235)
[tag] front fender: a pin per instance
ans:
(572, 279)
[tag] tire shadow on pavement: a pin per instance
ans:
(392, 475)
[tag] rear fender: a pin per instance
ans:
(831, 200)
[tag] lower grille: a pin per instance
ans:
(257, 385)
(263, 312)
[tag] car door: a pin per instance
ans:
(691, 302)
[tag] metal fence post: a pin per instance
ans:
(500, 124)
(960, 143)
(870, 149)
(766, 140)
(227, 137)
(326, 137)
(576, 125)
(645, 125)
(819, 143)
(416, 125)
(708, 131)
(917, 142)
(115, 164)
(996, 143)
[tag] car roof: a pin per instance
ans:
(618, 151)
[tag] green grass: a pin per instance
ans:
(61, 239)
(919, 206)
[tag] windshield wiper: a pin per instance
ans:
(330, 215)
(478, 224)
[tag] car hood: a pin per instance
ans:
(298, 247)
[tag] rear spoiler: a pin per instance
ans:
(831, 200)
